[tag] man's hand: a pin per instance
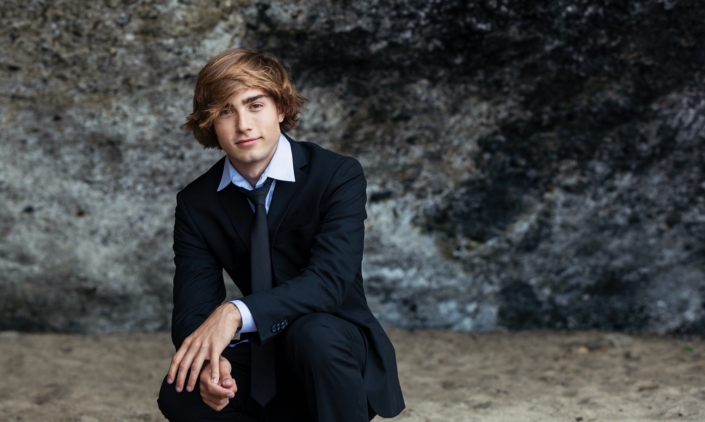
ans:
(217, 396)
(206, 343)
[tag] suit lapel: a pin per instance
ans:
(239, 212)
(284, 192)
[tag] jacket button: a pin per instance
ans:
(274, 328)
(285, 323)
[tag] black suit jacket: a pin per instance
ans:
(316, 237)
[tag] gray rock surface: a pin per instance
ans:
(530, 164)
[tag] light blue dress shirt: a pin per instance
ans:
(280, 168)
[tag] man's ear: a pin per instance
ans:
(281, 117)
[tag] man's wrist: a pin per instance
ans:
(234, 312)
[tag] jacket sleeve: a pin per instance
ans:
(335, 257)
(198, 280)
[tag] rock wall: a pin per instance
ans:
(530, 164)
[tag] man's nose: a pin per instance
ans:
(243, 122)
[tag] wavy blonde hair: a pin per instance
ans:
(233, 71)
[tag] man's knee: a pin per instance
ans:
(174, 406)
(309, 326)
(168, 400)
(317, 338)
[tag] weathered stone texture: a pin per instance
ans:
(530, 164)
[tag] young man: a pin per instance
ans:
(285, 220)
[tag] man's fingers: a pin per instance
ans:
(225, 375)
(215, 366)
(196, 366)
(226, 378)
(183, 368)
(175, 361)
(214, 392)
(220, 392)
(229, 384)
(204, 378)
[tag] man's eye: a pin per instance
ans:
(256, 106)
(225, 112)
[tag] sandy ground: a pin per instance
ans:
(535, 376)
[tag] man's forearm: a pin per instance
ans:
(198, 280)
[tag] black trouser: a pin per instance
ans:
(319, 363)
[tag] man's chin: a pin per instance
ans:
(246, 159)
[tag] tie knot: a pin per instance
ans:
(258, 196)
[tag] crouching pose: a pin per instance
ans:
(285, 220)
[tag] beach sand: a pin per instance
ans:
(529, 376)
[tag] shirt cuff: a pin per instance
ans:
(248, 323)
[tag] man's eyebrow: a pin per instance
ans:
(248, 100)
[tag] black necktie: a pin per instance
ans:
(263, 383)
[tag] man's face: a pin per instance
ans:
(248, 131)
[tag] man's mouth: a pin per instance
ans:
(246, 142)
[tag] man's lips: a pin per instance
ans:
(246, 142)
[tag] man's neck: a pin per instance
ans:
(252, 173)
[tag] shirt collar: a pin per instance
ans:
(280, 168)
